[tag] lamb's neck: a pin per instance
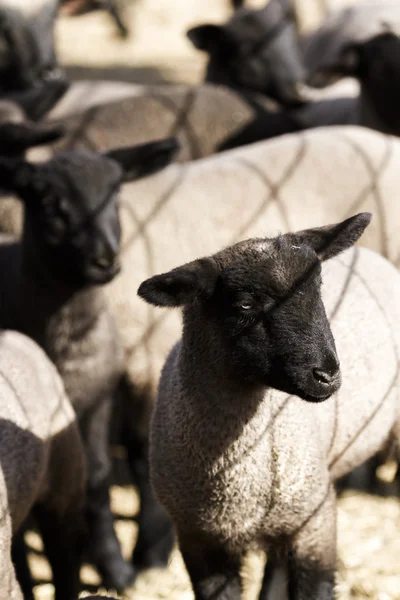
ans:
(48, 304)
(221, 409)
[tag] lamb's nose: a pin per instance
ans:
(326, 377)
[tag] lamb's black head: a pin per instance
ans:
(256, 50)
(376, 64)
(71, 206)
(29, 72)
(262, 301)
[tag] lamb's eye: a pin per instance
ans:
(246, 306)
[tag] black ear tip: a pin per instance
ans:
(143, 289)
(171, 144)
(201, 35)
(191, 33)
(364, 218)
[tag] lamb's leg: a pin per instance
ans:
(20, 561)
(312, 556)
(63, 539)
(275, 580)
(104, 546)
(156, 536)
(214, 572)
(60, 513)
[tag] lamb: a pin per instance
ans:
(29, 71)
(51, 289)
(257, 50)
(42, 464)
(261, 405)
(375, 63)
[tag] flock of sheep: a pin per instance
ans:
(118, 199)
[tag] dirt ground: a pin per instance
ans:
(368, 557)
(369, 526)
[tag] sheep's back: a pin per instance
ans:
(204, 118)
(34, 411)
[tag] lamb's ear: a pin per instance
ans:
(208, 37)
(330, 240)
(181, 285)
(18, 137)
(36, 102)
(142, 160)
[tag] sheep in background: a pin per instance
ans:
(42, 464)
(371, 61)
(29, 72)
(256, 50)
(51, 289)
(206, 119)
(238, 458)
(375, 63)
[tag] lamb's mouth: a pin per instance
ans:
(315, 399)
(100, 274)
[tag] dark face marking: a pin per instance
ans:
(73, 214)
(258, 50)
(270, 314)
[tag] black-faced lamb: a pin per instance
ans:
(257, 50)
(376, 64)
(29, 71)
(51, 289)
(43, 465)
(277, 388)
